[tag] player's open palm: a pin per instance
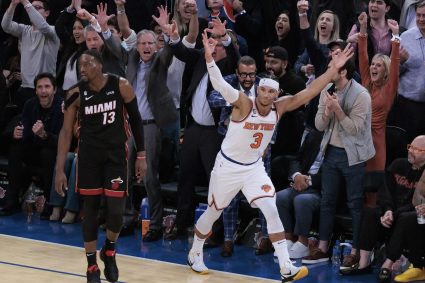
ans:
(209, 45)
(340, 58)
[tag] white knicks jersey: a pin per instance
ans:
(246, 140)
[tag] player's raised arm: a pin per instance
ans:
(231, 95)
(289, 103)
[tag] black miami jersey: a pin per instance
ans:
(103, 120)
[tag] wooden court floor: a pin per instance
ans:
(29, 261)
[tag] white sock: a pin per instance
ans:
(198, 243)
(281, 250)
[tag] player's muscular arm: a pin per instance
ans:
(289, 103)
(130, 103)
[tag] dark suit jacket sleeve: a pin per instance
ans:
(113, 44)
(188, 55)
(249, 25)
(314, 51)
(61, 26)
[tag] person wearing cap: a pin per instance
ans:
(238, 166)
(344, 114)
(291, 126)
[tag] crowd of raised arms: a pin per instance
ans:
(325, 97)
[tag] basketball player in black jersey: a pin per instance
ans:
(105, 104)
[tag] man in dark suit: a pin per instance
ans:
(201, 139)
(297, 204)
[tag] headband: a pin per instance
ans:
(270, 83)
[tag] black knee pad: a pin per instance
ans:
(115, 212)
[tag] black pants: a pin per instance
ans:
(199, 150)
(405, 233)
(39, 160)
(408, 234)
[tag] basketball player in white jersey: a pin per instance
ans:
(239, 166)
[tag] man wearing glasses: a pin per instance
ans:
(394, 220)
(39, 44)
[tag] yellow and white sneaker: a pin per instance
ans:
(412, 274)
(291, 272)
(196, 261)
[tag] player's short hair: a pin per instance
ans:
(95, 54)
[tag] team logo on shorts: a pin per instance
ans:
(116, 183)
(2, 193)
(266, 188)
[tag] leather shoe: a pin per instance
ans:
(265, 246)
(355, 270)
(174, 233)
(152, 235)
(227, 249)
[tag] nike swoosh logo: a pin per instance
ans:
(90, 97)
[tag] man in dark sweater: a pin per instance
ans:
(34, 140)
(394, 214)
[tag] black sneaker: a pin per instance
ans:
(93, 274)
(111, 270)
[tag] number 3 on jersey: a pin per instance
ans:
(108, 117)
(258, 137)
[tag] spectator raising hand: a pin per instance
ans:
(102, 17)
(217, 28)
(393, 26)
(163, 19)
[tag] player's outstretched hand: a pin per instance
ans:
(340, 58)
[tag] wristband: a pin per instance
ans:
(27, 5)
(396, 38)
(119, 12)
(302, 14)
(141, 157)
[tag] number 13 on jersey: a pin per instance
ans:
(108, 117)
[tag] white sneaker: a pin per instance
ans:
(291, 272)
(196, 261)
(298, 250)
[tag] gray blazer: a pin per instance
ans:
(160, 101)
(159, 98)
